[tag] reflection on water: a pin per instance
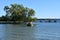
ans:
(42, 31)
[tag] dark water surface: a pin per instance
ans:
(41, 31)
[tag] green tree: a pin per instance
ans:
(18, 12)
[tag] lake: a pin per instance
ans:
(40, 31)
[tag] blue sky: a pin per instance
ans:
(43, 8)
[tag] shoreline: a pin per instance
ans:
(10, 22)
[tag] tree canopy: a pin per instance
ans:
(17, 12)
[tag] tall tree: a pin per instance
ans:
(19, 12)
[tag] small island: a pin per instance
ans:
(16, 14)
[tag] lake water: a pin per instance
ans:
(40, 31)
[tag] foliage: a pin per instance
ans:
(17, 12)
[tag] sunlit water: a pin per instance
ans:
(40, 31)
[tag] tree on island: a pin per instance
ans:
(16, 12)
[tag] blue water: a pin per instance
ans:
(40, 31)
